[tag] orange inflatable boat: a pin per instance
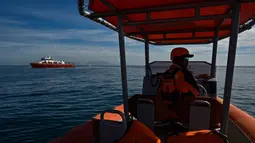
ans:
(147, 117)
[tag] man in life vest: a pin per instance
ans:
(180, 87)
(180, 83)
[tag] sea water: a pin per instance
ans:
(37, 105)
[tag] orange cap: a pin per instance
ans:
(180, 52)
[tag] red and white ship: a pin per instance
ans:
(49, 62)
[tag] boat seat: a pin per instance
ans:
(150, 85)
(112, 131)
(139, 133)
(146, 112)
(199, 117)
(200, 136)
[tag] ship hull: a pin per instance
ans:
(38, 65)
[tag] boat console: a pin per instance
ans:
(200, 69)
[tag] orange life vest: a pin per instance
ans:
(173, 84)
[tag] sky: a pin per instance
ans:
(32, 29)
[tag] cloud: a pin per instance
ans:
(33, 31)
(4, 20)
(90, 35)
(90, 45)
(57, 34)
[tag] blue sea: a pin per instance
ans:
(37, 105)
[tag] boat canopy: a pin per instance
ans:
(172, 22)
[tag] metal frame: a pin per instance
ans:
(146, 49)
(179, 31)
(123, 67)
(102, 21)
(244, 27)
(229, 11)
(230, 64)
(188, 38)
(115, 9)
(215, 45)
(172, 20)
(122, 58)
(214, 53)
(175, 43)
(235, 29)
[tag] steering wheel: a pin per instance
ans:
(202, 90)
(203, 76)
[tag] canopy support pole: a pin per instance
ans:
(146, 55)
(214, 53)
(230, 64)
(123, 66)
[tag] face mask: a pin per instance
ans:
(186, 58)
(186, 62)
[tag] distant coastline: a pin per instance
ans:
(114, 65)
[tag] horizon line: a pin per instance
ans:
(117, 65)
